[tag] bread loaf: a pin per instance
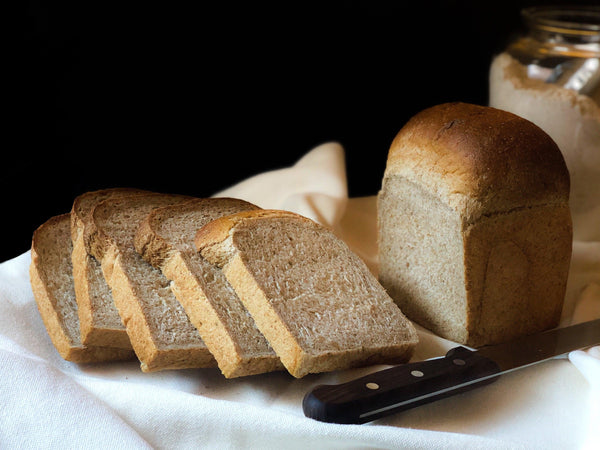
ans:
(314, 300)
(158, 327)
(474, 226)
(165, 238)
(51, 280)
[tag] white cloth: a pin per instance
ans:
(50, 403)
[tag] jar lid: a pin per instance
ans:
(581, 21)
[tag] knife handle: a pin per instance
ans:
(399, 388)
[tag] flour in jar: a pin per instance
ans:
(571, 119)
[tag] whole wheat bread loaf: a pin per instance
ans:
(51, 279)
(474, 225)
(99, 320)
(165, 239)
(158, 327)
(315, 301)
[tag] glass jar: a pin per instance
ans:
(550, 75)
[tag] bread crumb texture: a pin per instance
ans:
(51, 276)
(166, 239)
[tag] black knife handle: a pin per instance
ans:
(399, 388)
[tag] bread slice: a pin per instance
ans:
(99, 320)
(159, 329)
(474, 225)
(165, 238)
(315, 301)
(51, 279)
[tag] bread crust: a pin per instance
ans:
(218, 230)
(479, 160)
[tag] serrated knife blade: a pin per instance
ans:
(409, 385)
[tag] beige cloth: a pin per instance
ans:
(50, 403)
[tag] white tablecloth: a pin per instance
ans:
(50, 403)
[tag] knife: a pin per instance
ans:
(408, 385)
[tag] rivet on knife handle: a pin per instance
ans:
(399, 388)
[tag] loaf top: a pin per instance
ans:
(479, 160)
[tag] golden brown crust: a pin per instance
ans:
(218, 230)
(479, 159)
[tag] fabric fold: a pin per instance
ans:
(315, 186)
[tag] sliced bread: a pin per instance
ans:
(51, 277)
(159, 329)
(315, 301)
(165, 239)
(99, 320)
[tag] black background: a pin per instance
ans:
(192, 99)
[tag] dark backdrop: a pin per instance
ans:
(193, 99)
